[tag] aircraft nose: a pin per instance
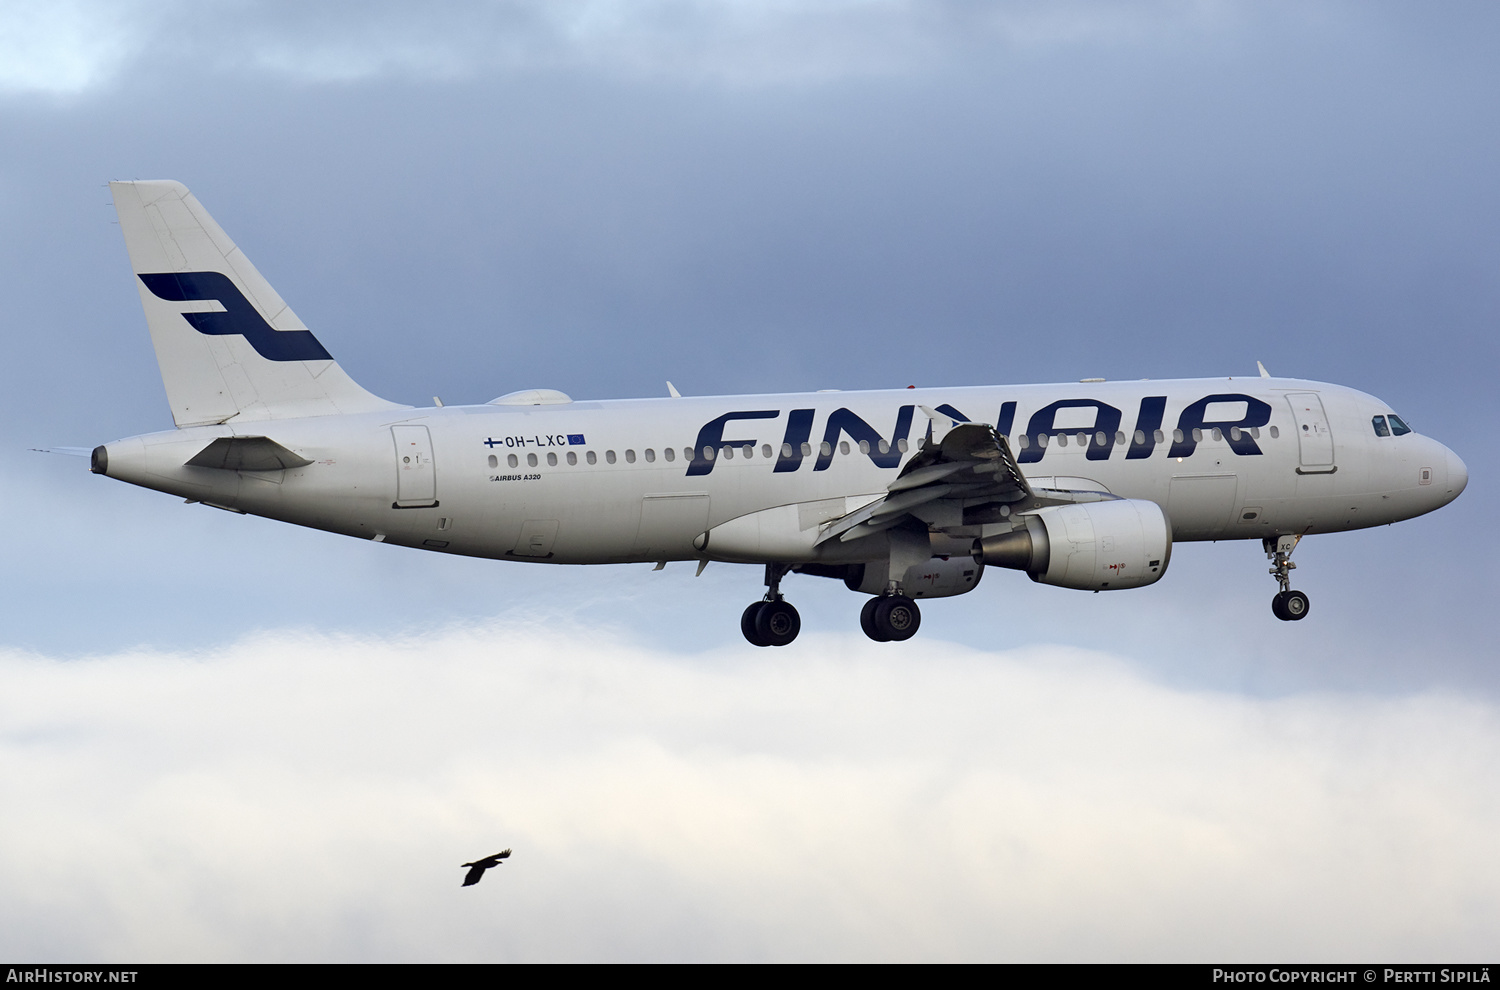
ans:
(1458, 475)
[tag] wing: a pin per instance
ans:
(501, 855)
(473, 876)
(971, 465)
(969, 477)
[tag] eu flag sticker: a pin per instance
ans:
(575, 438)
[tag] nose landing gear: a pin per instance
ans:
(1288, 605)
(771, 621)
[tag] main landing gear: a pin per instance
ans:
(890, 618)
(1288, 605)
(771, 621)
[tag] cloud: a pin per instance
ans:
(67, 46)
(300, 797)
(71, 47)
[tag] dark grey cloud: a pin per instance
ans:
(78, 45)
(742, 198)
(1175, 190)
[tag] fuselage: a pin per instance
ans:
(645, 479)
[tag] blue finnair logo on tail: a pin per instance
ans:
(239, 317)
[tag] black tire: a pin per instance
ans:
(1295, 606)
(1278, 607)
(897, 618)
(777, 623)
(867, 621)
(747, 623)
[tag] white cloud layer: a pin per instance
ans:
(76, 45)
(296, 797)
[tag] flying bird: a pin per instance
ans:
(477, 868)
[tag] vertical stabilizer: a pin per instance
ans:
(227, 345)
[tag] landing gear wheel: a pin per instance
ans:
(896, 618)
(867, 621)
(747, 623)
(1290, 606)
(777, 623)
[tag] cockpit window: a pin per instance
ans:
(1397, 427)
(1381, 430)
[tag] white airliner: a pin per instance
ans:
(902, 494)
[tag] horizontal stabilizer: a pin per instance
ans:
(247, 454)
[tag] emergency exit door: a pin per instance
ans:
(1314, 438)
(416, 475)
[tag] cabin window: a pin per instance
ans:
(748, 451)
(844, 447)
(729, 453)
(1218, 434)
(1062, 439)
(825, 448)
(1275, 433)
(1177, 436)
(1255, 432)
(609, 457)
(669, 454)
(1140, 438)
(1120, 438)
(1398, 428)
(864, 446)
(629, 457)
(1100, 439)
(591, 457)
(531, 460)
(494, 461)
(807, 450)
(786, 450)
(901, 445)
(1023, 441)
(708, 453)
(1197, 435)
(884, 446)
(552, 460)
(1083, 439)
(765, 450)
(1381, 430)
(1159, 436)
(572, 457)
(512, 461)
(1234, 433)
(650, 456)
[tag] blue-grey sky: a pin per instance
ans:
(471, 198)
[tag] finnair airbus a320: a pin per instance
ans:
(901, 494)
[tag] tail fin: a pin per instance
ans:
(228, 346)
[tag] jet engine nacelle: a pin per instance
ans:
(940, 577)
(1091, 546)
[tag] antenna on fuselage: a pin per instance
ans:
(1263, 372)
